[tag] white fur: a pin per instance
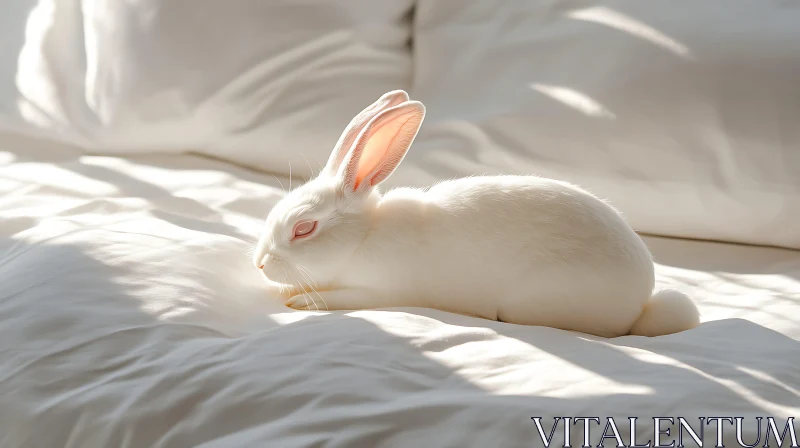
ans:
(668, 311)
(520, 249)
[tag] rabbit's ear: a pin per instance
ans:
(381, 146)
(351, 132)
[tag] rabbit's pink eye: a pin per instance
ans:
(303, 229)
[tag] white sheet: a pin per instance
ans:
(130, 316)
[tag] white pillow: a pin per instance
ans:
(683, 114)
(256, 82)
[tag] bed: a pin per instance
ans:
(132, 316)
(142, 144)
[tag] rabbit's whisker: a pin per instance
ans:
(311, 283)
(310, 170)
(308, 273)
(284, 281)
(279, 182)
(299, 286)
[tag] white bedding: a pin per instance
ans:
(130, 316)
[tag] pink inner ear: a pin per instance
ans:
(346, 141)
(386, 145)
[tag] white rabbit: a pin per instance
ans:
(519, 249)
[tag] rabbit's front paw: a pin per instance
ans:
(307, 302)
(338, 299)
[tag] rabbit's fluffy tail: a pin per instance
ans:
(668, 311)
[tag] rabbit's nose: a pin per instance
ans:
(264, 260)
(259, 262)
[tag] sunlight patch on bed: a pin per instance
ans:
(138, 175)
(505, 365)
(574, 99)
(738, 389)
(761, 282)
(622, 22)
(62, 179)
(482, 357)
(734, 387)
(767, 378)
(293, 316)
